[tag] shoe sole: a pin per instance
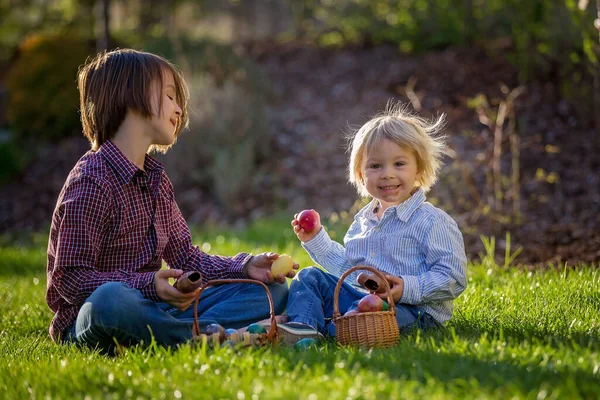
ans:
(289, 336)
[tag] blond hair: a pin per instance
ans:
(406, 129)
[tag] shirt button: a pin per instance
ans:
(373, 254)
(377, 228)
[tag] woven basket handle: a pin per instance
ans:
(272, 334)
(336, 306)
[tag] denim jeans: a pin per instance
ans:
(311, 302)
(116, 313)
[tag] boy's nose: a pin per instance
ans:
(386, 172)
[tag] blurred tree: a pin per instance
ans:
(469, 20)
(42, 84)
(102, 25)
(21, 18)
(597, 76)
(546, 40)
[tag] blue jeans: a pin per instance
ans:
(311, 302)
(116, 313)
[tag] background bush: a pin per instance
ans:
(13, 159)
(545, 39)
(42, 84)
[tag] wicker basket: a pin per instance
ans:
(246, 339)
(368, 329)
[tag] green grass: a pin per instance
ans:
(515, 334)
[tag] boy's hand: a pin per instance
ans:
(167, 293)
(396, 288)
(301, 233)
(259, 268)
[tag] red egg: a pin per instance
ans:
(370, 303)
(307, 220)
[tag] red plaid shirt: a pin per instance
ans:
(116, 223)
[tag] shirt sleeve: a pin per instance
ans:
(446, 277)
(328, 253)
(180, 253)
(85, 212)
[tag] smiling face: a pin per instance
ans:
(162, 127)
(389, 173)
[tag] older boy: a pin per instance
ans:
(116, 220)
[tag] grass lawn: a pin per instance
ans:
(515, 335)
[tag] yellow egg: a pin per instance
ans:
(283, 265)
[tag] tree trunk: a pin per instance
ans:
(102, 25)
(469, 33)
(597, 77)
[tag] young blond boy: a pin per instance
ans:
(395, 158)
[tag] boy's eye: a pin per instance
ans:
(374, 166)
(399, 164)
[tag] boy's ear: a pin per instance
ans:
(419, 178)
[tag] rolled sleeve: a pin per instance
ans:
(412, 290)
(237, 265)
(144, 282)
(217, 267)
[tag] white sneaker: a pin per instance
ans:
(291, 332)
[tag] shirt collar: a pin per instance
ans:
(403, 210)
(125, 168)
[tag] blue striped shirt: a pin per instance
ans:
(413, 240)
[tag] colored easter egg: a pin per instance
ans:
(385, 306)
(216, 328)
(232, 334)
(256, 328)
(282, 266)
(306, 343)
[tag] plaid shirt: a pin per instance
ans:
(116, 223)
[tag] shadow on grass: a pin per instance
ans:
(451, 369)
(531, 334)
(456, 368)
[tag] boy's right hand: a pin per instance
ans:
(301, 233)
(167, 293)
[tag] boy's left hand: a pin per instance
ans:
(259, 268)
(396, 288)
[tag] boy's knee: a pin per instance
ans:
(313, 277)
(309, 274)
(110, 300)
(110, 292)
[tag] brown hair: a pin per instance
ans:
(123, 79)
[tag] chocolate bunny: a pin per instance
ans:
(188, 282)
